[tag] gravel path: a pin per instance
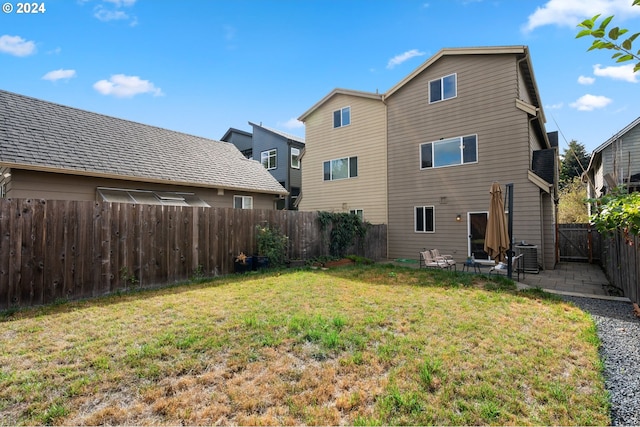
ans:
(619, 332)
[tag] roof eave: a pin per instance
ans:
(451, 52)
(148, 180)
(339, 91)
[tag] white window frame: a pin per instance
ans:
(295, 154)
(424, 219)
(358, 212)
(349, 171)
(442, 87)
(246, 202)
(268, 155)
(342, 111)
(3, 190)
(460, 140)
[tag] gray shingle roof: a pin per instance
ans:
(36, 134)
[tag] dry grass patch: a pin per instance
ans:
(361, 345)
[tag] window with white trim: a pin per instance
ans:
(346, 167)
(358, 212)
(342, 117)
(243, 202)
(425, 219)
(269, 158)
(295, 158)
(3, 191)
(449, 152)
(443, 88)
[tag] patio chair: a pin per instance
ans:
(446, 258)
(516, 267)
(427, 261)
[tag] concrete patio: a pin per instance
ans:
(574, 278)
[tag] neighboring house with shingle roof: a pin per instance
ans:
(52, 151)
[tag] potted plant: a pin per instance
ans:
(243, 263)
(272, 247)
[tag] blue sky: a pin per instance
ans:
(201, 67)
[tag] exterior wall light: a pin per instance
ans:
(459, 217)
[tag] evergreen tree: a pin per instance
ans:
(574, 161)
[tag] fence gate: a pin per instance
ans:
(579, 242)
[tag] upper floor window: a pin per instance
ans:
(295, 158)
(449, 152)
(443, 88)
(3, 191)
(342, 117)
(269, 158)
(347, 167)
(243, 202)
(425, 221)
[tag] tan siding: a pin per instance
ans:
(364, 138)
(44, 185)
(485, 105)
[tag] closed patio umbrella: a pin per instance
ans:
(496, 241)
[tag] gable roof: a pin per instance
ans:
(335, 92)
(618, 135)
(526, 68)
(231, 131)
(279, 133)
(43, 136)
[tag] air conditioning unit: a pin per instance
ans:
(529, 256)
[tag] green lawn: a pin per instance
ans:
(361, 345)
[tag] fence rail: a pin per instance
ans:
(621, 261)
(51, 250)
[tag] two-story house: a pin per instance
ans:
(432, 145)
(279, 152)
(615, 162)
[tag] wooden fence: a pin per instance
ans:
(53, 250)
(579, 242)
(621, 261)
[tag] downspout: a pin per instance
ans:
(386, 156)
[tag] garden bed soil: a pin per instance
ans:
(338, 263)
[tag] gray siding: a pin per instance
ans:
(488, 86)
(264, 141)
(622, 157)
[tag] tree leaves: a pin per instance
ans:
(604, 40)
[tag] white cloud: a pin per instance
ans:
(122, 86)
(59, 75)
(113, 12)
(591, 102)
(569, 13)
(554, 106)
(584, 80)
(623, 72)
(105, 15)
(119, 3)
(293, 123)
(399, 59)
(16, 45)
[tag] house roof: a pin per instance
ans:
(43, 136)
(231, 131)
(285, 135)
(335, 92)
(618, 135)
(526, 68)
(597, 152)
